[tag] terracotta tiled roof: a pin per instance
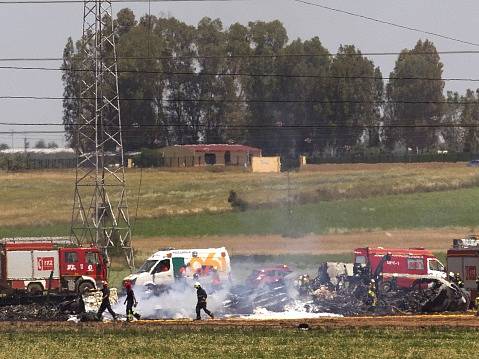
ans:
(223, 148)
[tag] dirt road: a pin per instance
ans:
(438, 240)
(414, 321)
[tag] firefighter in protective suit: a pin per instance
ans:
(105, 302)
(201, 294)
(372, 297)
(458, 280)
(130, 302)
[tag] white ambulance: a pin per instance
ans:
(167, 266)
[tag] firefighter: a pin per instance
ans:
(372, 297)
(451, 276)
(130, 302)
(105, 302)
(458, 280)
(81, 305)
(303, 284)
(201, 294)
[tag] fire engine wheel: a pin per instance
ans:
(35, 288)
(85, 287)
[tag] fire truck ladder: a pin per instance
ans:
(100, 210)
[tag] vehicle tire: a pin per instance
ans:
(85, 286)
(35, 288)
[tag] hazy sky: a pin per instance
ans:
(41, 30)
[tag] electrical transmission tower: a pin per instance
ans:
(100, 210)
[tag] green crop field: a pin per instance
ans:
(144, 342)
(455, 208)
(44, 198)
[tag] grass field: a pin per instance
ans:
(375, 203)
(220, 342)
(455, 208)
(44, 198)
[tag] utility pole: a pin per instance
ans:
(100, 210)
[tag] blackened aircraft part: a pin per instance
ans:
(427, 295)
(243, 299)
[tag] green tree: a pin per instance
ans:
(266, 39)
(140, 78)
(416, 103)
(212, 116)
(308, 116)
(469, 116)
(40, 144)
(452, 133)
(181, 93)
(356, 90)
(71, 91)
(237, 43)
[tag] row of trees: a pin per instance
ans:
(40, 144)
(250, 84)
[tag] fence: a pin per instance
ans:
(394, 158)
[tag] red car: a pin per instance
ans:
(268, 275)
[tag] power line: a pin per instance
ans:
(242, 74)
(225, 100)
(404, 27)
(253, 56)
(242, 127)
(67, 2)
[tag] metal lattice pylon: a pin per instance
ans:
(100, 210)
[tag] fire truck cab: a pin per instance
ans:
(463, 258)
(81, 268)
(35, 266)
(404, 266)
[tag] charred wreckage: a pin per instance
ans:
(373, 285)
(379, 282)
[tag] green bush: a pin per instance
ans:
(150, 158)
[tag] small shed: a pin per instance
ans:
(266, 164)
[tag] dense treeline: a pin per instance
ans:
(251, 84)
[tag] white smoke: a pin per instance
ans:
(289, 313)
(178, 302)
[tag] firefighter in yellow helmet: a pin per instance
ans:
(201, 294)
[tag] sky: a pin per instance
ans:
(41, 30)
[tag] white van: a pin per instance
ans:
(166, 266)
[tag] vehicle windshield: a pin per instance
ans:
(360, 260)
(146, 267)
(434, 264)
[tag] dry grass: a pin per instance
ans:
(45, 197)
(437, 240)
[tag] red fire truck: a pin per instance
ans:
(37, 266)
(463, 258)
(403, 266)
